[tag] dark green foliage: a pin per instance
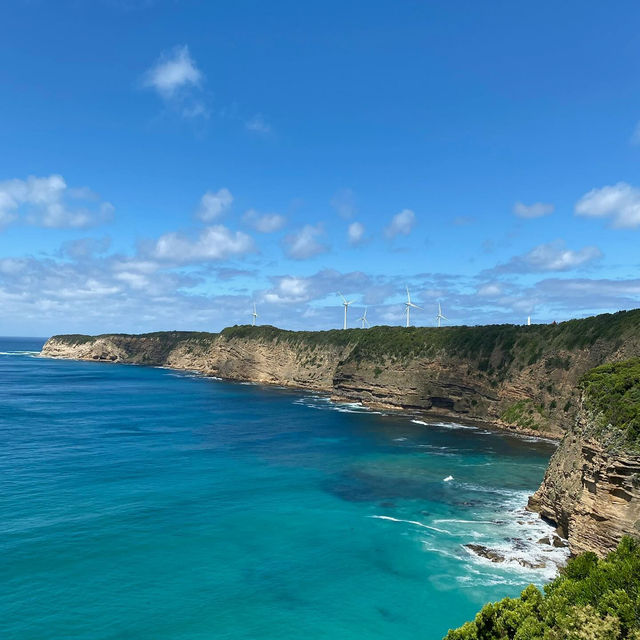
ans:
(557, 362)
(525, 414)
(591, 599)
(168, 337)
(612, 393)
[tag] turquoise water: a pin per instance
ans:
(146, 503)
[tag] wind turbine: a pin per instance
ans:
(408, 304)
(440, 315)
(363, 319)
(254, 315)
(345, 304)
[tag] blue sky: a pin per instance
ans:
(165, 164)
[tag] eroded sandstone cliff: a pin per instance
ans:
(591, 489)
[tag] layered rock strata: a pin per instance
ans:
(591, 494)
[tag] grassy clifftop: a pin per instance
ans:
(529, 343)
(491, 349)
(526, 343)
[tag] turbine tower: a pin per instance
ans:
(408, 304)
(345, 304)
(363, 319)
(440, 315)
(254, 315)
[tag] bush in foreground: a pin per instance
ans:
(591, 600)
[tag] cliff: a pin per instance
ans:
(591, 489)
(520, 377)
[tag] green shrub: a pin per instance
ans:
(526, 414)
(612, 393)
(591, 599)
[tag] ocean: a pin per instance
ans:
(149, 503)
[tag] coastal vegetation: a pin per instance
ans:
(592, 599)
(611, 393)
(527, 344)
(525, 414)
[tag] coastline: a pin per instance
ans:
(497, 426)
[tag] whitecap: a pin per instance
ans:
(446, 425)
(414, 522)
(19, 353)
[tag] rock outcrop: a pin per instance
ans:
(591, 493)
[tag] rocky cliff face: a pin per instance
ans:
(590, 493)
(276, 362)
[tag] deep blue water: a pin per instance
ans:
(146, 503)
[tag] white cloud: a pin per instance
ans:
(401, 224)
(213, 204)
(344, 202)
(355, 233)
(535, 210)
(177, 80)
(553, 256)
(288, 289)
(619, 202)
(48, 202)
(174, 71)
(258, 124)
(264, 222)
(303, 244)
(213, 243)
